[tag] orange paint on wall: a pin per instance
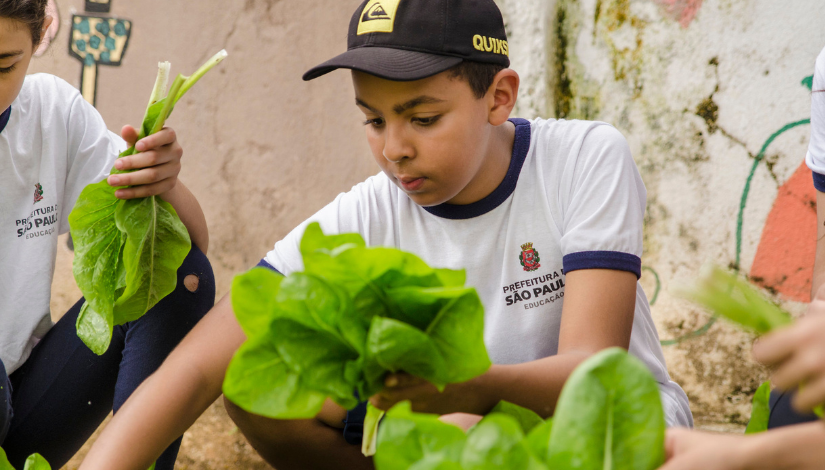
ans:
(785, 257)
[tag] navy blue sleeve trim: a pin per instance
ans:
(521, 146)
(4, 118)
(265, 264)
(819, 182)
(615, 260)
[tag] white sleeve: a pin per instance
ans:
(816, 149)
(604, 213)
(92, 151)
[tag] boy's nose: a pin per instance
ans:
(396, 147)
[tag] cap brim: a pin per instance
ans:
(387, 63)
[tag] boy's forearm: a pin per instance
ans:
(793, 447)
(190, 213)
(519, 383)
(170, 400)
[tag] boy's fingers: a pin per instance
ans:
(151, 175)
(778, 346)
(809, 396)
(401, 381)
(145, 190)
(163, 137)
(129, 134)
(796, 370)
(142, 160)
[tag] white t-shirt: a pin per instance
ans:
(816, 149)
(53, 144)
(572, 199)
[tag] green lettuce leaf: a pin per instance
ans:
(609, 415)
(761, 410)
(354, 315)
(497, 442)
(127, 253)
(36, 462)
(4, 461)
(526, 418)
(409, 440)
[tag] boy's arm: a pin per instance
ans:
(792, 447)
(598, 312)
(819, 263)
(172, 398)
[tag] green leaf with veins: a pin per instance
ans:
(761, 410)
(127, 253)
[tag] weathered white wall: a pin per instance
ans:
(697, 88)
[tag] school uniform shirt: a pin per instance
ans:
(816, 149)
(52, 144)
(572, 199)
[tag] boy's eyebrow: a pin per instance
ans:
(6, 55)
(401, 108)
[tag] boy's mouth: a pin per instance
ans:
(411, 183)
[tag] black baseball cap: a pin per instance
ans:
(404, 40)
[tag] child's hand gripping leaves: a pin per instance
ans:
(730, 296)
(127, 252)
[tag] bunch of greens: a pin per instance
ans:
(34, 462)
(732, 297)
(609, 416)
(354, 315)
(127, 252)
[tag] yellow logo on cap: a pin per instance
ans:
(378, 16)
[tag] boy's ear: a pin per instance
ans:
(46, 23)
(502, 96)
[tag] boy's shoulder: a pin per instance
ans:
(47, 91)
(572, 138)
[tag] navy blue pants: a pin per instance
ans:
(782, 414)
(62, 393)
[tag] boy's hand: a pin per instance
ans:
(423, 396)
(157, 164)
(691, 450)
(799, 354)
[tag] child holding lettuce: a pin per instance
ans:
(798, 352)
(54, 391)
(544, 215)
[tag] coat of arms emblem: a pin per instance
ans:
(529, 257)
(38, 193)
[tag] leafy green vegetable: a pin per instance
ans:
(354, 315)
(34, 462)
(369, 441)
(127, 252)
(527, 419)
(761, 410)
(609, 415)
(732, 297)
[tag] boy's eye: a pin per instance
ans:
(8, 69)
(377, 122)
(426, 121)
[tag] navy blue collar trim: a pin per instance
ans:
(520, 147)
(4, 118)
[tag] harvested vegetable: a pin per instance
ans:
(34, 462)
(609, 416)
(728, 295)
(761, 410)
(337, 329)
(127, 252)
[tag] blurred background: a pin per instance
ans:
(713, 96)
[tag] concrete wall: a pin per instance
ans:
(697, 87)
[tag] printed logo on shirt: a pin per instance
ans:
(40, 223)
(38, 193)
(529, 257)
(535, 292)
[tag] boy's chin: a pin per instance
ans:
(426, 199)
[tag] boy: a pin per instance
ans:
(545, 216)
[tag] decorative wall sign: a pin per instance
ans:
(98, 6)
(97, 41)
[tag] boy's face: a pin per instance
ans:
(16, 50)
(431, 137)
